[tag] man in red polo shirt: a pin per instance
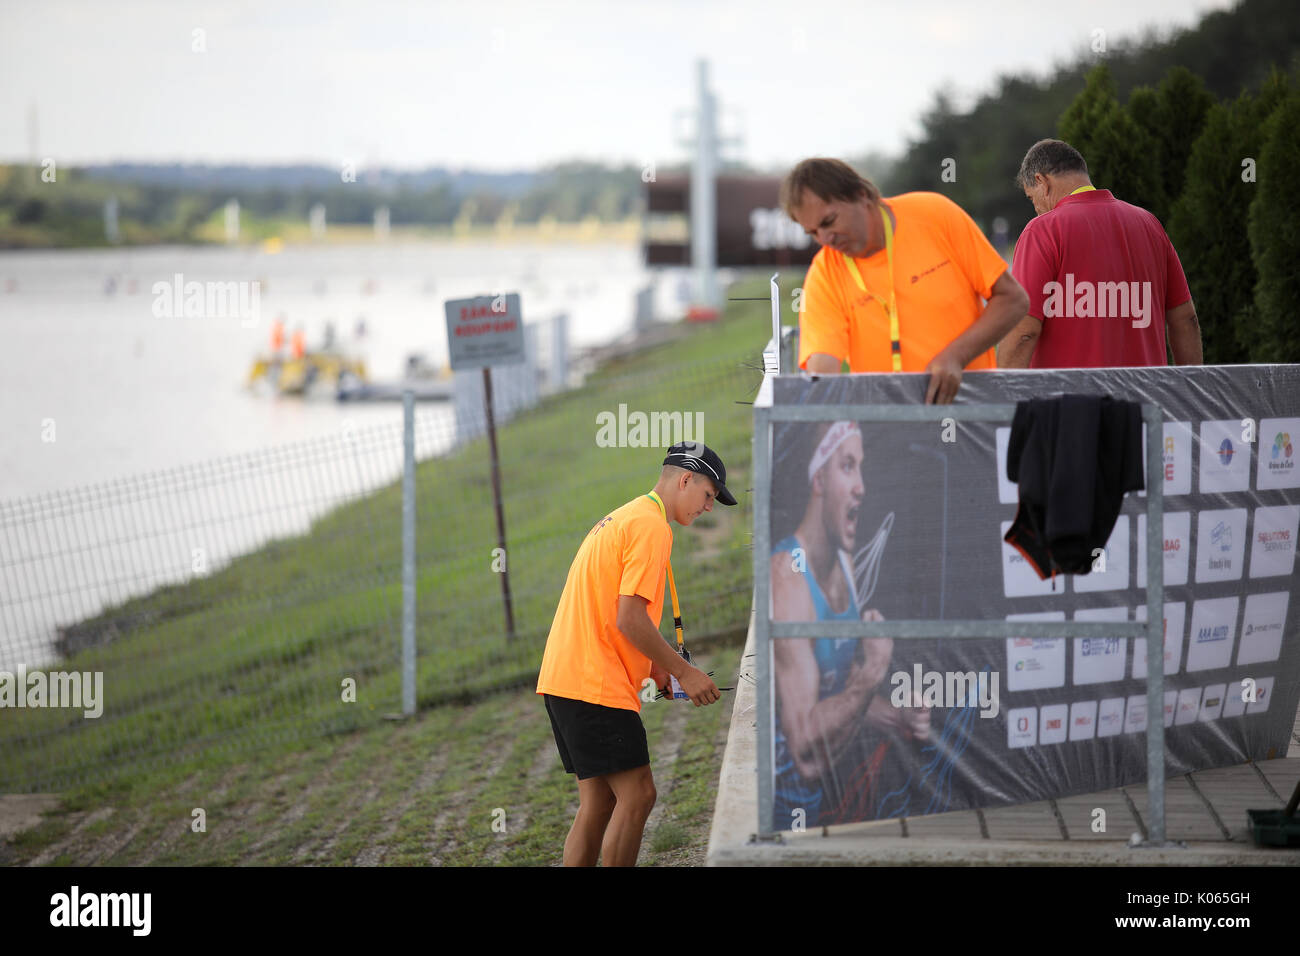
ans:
(1105, 284)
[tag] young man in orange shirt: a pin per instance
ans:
(605, 643)
(899, 284)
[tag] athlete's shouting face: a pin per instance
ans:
(842, 491)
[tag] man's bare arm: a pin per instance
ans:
(635, 624)
(1007, 306)
(819, 363)
(1184, 334)
(1017, 349)
(817, 730)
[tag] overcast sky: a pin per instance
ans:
(498, 84)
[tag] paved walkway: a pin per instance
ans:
(1205, 811)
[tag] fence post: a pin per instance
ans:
(408, 553)
(1155, 558)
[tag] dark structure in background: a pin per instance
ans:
(752, 228)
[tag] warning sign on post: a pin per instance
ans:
(484, 331)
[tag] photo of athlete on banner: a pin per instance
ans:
(834, 720)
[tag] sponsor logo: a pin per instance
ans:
(1221, 536)
(1275, 540)
(1095, 646)
(921, 275)
(1209, 635)
(1226, 451)
(1282, 455)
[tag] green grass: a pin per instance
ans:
(239, 672)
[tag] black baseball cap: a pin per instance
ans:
(699, 457)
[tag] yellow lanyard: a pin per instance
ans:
(1082, 189)
(672, 586)
(891, 307)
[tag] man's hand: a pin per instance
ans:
(945, 376)
(660, 677)
(914, 721)
(699, 687)
(909, 722)
(1007, 306)
(819, 363)
(869, 667)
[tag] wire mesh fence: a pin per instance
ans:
(258, 598)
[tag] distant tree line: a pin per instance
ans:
(168, 204)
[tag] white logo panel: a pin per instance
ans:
(1052, 723)
(1279, 463)
(1272, 541)
(1209, 644)
(1262, 627)
(1008, 490)
(1177, 548)
(1225, 458)
(1110, 717)
(1189, 705)
(1035, 663)
(1175, 457)
(1135, 718)
(1100, 659)
(1022, 727)
(1263, 694)
(1115, 577)
(1083, 720)
(1212, 702)
(1220, 544)
(1019, 579)
(1175, 618)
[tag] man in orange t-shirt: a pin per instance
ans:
(899, 284)
(605, 644)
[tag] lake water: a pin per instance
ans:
(133, 455)
(120, 390)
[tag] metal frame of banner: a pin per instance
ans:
(766, 630)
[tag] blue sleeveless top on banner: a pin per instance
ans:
(834, 657)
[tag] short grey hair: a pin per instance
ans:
(1051, 157)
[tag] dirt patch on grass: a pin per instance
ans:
(22, 811)
(74, 844)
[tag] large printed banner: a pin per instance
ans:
(906, 521)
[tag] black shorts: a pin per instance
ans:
(594, 740)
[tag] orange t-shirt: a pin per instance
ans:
(587, 657)
(943, 267)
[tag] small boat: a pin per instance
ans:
(424, 381)
(296, 376)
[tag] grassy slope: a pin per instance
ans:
(232, 698)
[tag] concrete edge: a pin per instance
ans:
(914, 851)
(735, 813)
